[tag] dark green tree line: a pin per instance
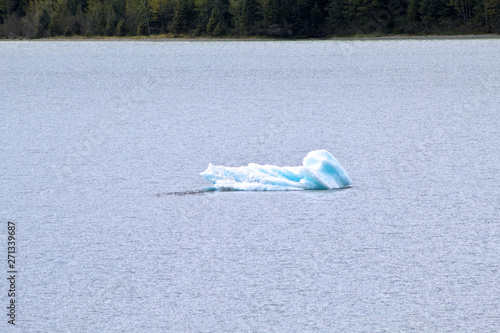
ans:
(278, 18)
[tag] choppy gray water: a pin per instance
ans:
(101, 148)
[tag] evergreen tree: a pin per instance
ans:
(162, 15)
(184, 16)
(220, 20)
(246, 15)
(492, 15)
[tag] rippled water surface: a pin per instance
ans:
(101, 148)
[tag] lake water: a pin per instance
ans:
(102, 143)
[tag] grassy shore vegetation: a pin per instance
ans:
(246, 18)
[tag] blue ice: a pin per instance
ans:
(320, 170)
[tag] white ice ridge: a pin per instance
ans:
(320, 170)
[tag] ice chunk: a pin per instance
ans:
(320, 170)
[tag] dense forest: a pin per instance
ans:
(240, 18)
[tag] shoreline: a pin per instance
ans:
(164, 38)
(419, 37)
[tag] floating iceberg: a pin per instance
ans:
(319, 171)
